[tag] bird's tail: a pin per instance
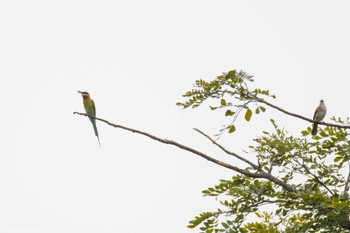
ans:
(99, 141)
(314, 129)
(96, 133)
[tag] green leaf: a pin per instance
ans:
(223, 102)
(199, 219)
(232, 129)
(187, 94)
(229, 113)
(262, 108)
(225, 225)
(257, 110)
(212, 108)
(323, 134)
(337, 159)
(304, 132)
(248, 114)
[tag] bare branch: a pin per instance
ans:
(270, 169)
(227, 151)
(315, 177)
(300, 116)
(346, 188)
(260, 175)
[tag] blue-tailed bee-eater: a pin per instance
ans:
(90, 109)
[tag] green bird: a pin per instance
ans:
(90, 109)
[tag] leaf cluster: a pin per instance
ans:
(230, 92)
(319, 203)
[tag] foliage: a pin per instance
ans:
(315, 166)
(232, 94)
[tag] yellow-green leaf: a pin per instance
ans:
(223, 102)
(248, 114)
(257, 110)
(232, 129)
(229, 113)
(304, 132)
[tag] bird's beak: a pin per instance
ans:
(79, 92)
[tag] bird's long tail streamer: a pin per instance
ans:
(96, 133)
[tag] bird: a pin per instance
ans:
(90, 109)
(319, 115)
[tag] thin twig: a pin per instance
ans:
(346, 188)
(315, 177)
(227, 151)
(260, 175)
(235, 116)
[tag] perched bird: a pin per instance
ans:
(319, 115)
(90, 109)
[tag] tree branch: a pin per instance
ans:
(346, 188)
(315, 177)
(300, 116)
(260, 175)
(227, 151)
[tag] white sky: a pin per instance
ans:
(136, 58)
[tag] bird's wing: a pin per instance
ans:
(93, 107)
(317, 109)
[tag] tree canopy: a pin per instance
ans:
(298, 183)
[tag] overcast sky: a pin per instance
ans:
(136, 58)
